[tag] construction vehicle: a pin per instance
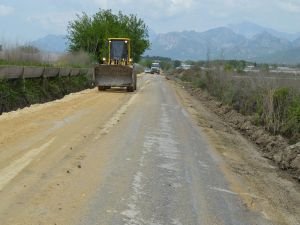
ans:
(117, 70)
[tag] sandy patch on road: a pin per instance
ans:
(49, 155)
(37, 107)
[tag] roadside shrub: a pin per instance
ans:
(25, 55)
(292, 126)
(272, 103)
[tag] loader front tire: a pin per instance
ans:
(130, 89)
(101, 88)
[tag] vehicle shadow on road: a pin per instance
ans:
(116, 90)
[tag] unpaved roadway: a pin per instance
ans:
(154, 157)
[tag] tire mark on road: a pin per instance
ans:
(11, 171)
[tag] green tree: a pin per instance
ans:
(146, 62)
(177, 63)
(166, 65)
(90, 33)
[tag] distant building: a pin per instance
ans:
(186, 66)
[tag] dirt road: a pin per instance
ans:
(155, 157)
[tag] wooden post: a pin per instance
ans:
(44, 79)
(23, 80)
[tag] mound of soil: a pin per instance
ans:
(275, 148)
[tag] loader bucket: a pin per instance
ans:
(114, 76)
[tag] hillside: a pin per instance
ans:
(240, 41)
(223, 43)
(51, 43)
(249, 30)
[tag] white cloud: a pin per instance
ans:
(52, 16)
(101, 3)
(6, 10)
(54, 21)
(290, 6)
(150, 8)
(177, 6)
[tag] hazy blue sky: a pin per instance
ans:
(30, 19)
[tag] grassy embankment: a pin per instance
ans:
(19, 93)
(272, 101)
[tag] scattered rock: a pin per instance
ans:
(290, 157)
(258, 133)
(271, 146)
(219, 104)
(295, 164)
(79, 166)
(246, 126)
(68, 171)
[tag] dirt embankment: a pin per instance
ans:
(19, 93)
(260, 184)
(275, 148)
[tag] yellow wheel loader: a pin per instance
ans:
(117, 70)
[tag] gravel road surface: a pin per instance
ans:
(118, 158)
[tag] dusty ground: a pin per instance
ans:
(45, 153)
(157, 156)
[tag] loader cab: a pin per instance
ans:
(119, 51)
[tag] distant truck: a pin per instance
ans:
(155, 68)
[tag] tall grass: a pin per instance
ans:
(22, 55)
(27, 55)
(18, 93)
(273, 101)
(75, 59)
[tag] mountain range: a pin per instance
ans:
(51, 43)
(246, 41)
(249, 30)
